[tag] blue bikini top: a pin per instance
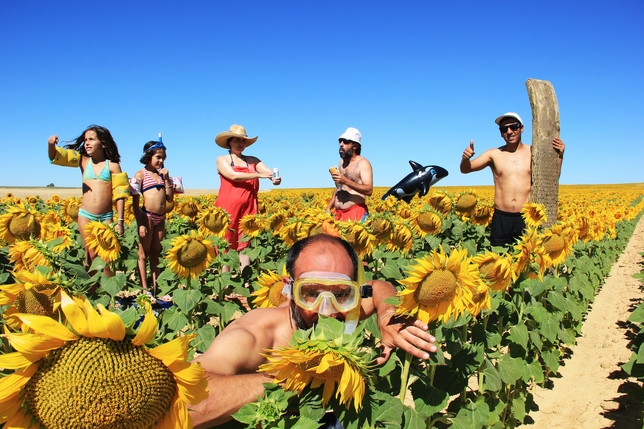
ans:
(104, 175)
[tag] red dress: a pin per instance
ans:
(238, 198)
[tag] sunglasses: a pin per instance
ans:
(513, 127)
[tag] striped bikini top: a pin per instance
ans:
(149, 182)
(104, 175)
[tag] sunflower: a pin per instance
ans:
(251, 225)
(524, 251)
(294, 230)
(190, 255)
(213, 221)
(495, 270)
(33, 293)
(71, 206)
(53, 232)
(52, 218)
(189, 208)
(466, 202)
(482, 215)
(315, 358)
(359, 236)
(19, 223)
(276, 220)
(441, 202)
(102, 239)
(534, 214)
(27, 255)
(583, 229)
(427, 222)
(270, 292)
(54, 199)
(557, 244)
(401, 239)
(404, 212)
(381, 226)
(480, 300)
(439, 286)
(93, 376)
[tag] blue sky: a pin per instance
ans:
(419, 79)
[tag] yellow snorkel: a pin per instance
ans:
(353, 316)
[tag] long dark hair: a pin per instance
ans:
(104, 136)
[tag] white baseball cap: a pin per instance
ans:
(508, 115)
(351, 134)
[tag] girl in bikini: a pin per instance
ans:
(97, 155)
(156, 189)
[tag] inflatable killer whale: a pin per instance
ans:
(417, 182)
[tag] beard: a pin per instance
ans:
(346, 155)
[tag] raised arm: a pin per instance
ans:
(51, 146)
(468, 164)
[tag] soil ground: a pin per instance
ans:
(590, 388)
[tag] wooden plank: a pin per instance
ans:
(545, 161)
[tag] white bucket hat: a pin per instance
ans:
(234, 131)
(351, 134)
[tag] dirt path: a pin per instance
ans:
(591, 390)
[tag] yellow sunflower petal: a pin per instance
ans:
(11, 385)
(329, 389)
(95, 323)
(115, 329)
(75, 315)
(178, 416)
(47, 326)
(17, 360)
(148, 328)
(176, 349)
(10, 409)
(20, 420)
(33, 343)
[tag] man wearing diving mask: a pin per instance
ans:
(324, 279)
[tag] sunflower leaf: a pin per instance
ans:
(186, 299)
(113, 285)
(205, 335)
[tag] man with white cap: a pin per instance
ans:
(353, 179)
(511, 167)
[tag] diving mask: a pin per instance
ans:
(326, 293)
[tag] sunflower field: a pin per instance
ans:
(503, 318)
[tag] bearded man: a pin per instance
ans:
(353, 179)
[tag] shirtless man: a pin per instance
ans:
(511, 166)
(232, 359)
(354, 179)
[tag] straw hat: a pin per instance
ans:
(234, 131)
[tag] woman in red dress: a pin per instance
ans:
(240, 176)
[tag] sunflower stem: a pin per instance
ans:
(405, 377)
